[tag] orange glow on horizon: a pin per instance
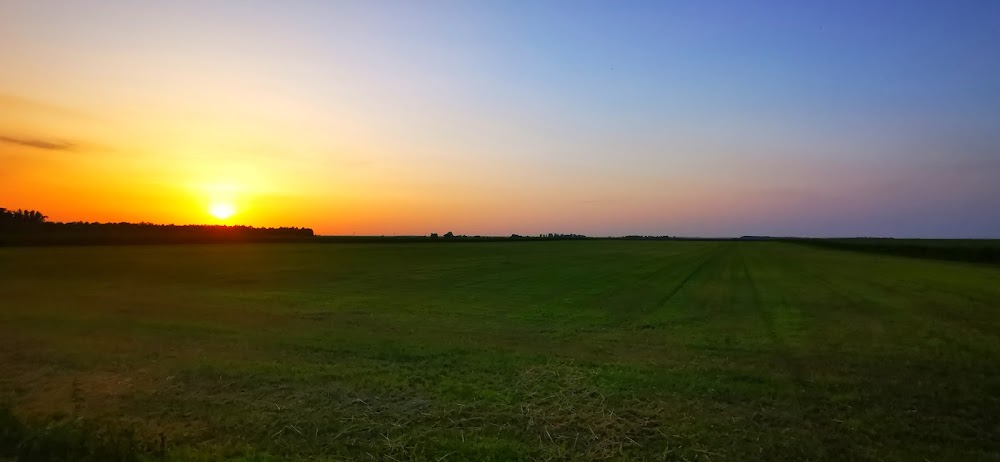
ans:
(127, 112)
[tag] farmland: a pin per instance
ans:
(970, 250)
(579, 350)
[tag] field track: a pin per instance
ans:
(578, 350)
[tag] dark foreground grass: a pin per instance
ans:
(497, 351)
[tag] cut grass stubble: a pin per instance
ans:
(549, 350)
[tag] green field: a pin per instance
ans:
(500, 351)
(969, 250)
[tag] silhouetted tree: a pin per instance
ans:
(449, 234)
(20, 219)
(30, 225)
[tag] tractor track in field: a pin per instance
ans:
(793, 364)
(700, 262)
(857, 301)
(698, 269)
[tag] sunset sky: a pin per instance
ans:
(841, 118)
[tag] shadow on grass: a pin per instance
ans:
(78, 440)
(70, 440)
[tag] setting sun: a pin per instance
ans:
(222, 211)
(360, 219)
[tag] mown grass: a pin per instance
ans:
(501, 351)
(970, 250)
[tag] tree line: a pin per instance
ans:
(32, 227)
(11, 219)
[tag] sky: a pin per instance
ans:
(695, 118)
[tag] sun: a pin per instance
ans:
(222, 210)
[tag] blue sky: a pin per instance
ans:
(708, 118)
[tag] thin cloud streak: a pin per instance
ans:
(48, 145)
(19, 103)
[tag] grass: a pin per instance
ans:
(497, 351)
(969, 250)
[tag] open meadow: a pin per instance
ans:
(576, 350)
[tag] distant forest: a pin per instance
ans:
(31, 227)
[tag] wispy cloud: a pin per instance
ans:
(11, 102)
(49, 145)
